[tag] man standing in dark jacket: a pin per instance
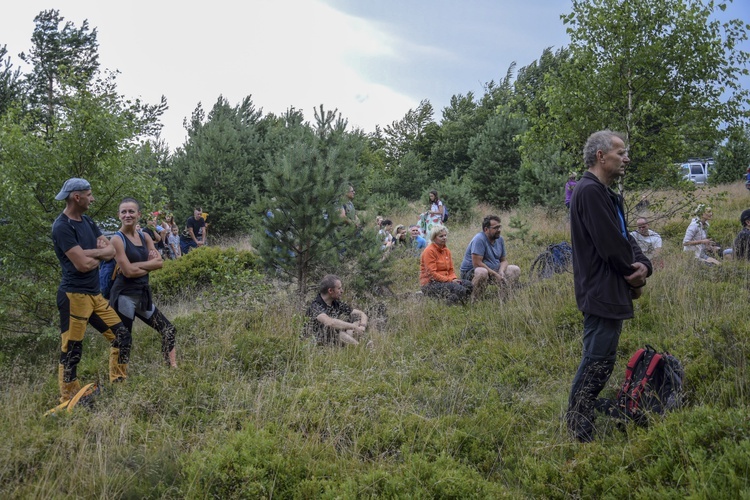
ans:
(609, 271)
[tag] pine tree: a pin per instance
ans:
(220, 166)
(304, 236)
(60, 58)
(10, 84)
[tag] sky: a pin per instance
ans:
(371, 60)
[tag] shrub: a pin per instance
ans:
(201, 268)
(455, 192)
(674, 230)
(723, 231)
(387, 204)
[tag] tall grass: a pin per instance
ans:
(453, 402)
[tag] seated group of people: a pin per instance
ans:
(485, 261)
(706, 249)
(166, 234)
(400, 238)
(696, 238)
(332, 322)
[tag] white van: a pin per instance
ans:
(694, 172)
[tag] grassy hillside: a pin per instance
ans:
(461, 402)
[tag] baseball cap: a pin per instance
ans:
(73, 184)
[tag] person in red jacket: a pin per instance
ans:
(437, 275)
(609, 271)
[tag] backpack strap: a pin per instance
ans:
(638, 390)
(116, 269)
(634, 360)
(623, 396)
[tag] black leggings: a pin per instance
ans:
(158, 322)
(161, 324)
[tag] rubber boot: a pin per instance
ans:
(67, 389)
(118, 372)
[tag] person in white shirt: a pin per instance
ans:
(649, 241)
(696, 240)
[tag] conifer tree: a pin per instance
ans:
(60, 57)
(220, 166)
(303, 234)
(9, 81)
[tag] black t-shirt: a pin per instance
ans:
(197, 226)
(337, 310)
(152, 233)
(66, 234)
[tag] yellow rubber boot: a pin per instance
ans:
(67, 389)
(117, 371)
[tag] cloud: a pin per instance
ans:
(284, 53)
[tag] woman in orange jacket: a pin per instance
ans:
(437, 275)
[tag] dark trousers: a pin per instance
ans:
(600, 339)
(452, 291)
(187, 244)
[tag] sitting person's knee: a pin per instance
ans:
(513, 272)
(347, 337)
(480, 274)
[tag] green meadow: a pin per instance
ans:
(452, 402)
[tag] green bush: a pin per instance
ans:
(201, 268)
(387, 204)
(723, 231)
(674, 230)
(455, 192)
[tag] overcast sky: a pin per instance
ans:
(373, 60)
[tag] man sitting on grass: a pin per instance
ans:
(485, 259)
(332, 322)
(418, 242)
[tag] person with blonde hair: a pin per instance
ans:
(696, 239)
(437, 275)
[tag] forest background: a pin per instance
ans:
(664, 72)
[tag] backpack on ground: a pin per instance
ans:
(556, 259)
(653, 385)
(108, 270)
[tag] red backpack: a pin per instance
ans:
(653, 385)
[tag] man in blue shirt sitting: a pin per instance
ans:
(417, 240)
(485, 259)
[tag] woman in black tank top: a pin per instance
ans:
(131, 293)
